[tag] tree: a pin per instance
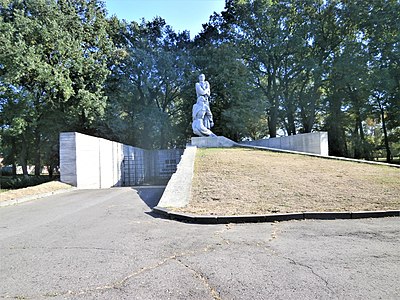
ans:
(53, 58)
(376, 34)
(283, 51)
(145, 88)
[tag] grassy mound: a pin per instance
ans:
(244, 181)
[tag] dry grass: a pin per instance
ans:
(44, 188)
(242, 181)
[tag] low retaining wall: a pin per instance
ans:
(315, 143)
(178, 191)
(91, 163)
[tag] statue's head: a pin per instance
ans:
(202, 77)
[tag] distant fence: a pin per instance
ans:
(315, 142)
(91, 162)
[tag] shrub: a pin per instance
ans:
(22, 181)
(6, 171)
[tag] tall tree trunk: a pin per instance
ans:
(146, 142)
(273, 92)
(272, 121)
(24, 159)
(14, 170)
(290, 109)
(307, 121)
(357, 140)
(290, 114)
(307, 112)
(385, 135)
(337, 139)
(365, 149)
(14, 162)
(50, 169)
(37, 154)
(163, 140)
(291, 125)
(311, 117)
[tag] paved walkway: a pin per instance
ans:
(106, 244)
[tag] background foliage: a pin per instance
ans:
(275, 67)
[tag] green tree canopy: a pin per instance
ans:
(53, 60)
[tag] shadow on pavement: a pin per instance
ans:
(150, 195)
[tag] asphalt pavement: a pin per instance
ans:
(107, 244)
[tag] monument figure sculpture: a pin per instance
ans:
(201, 116)
(201, 113)
(203, 88)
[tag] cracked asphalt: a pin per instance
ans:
(106, 244)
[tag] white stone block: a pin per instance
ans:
(212, 142)
(324, 150)
(315, 143)
(87, 161)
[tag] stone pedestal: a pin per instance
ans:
(213, 142)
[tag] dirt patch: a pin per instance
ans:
(243, 181)
(44, 188)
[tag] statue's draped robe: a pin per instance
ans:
(201, 116)
(203, 89)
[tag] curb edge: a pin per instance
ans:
(225, 219)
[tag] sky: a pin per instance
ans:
(179, 14)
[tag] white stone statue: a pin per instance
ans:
(203, 95)
(203, 88)
(202, 118)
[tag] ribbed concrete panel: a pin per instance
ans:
(315, 143)
(68, 158)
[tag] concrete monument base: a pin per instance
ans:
(314, 143)
(213, 142)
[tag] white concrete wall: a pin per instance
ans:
(315, 142)
(90, 162)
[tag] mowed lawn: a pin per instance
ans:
(236, 181)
